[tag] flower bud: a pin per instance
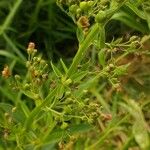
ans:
(101, 17)
(6, 72)
(38, 59)
(90, 3)
(64, 125)
(84, 6)
(133, 38)
(26, 86)
(68, 93)
(14, 109)
(78, 11)
(28, 64)
(31, 48)
(111, 66)
(17, 77)
(83, 22)
(45, 76)
(73, 8)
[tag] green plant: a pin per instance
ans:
(101, 97)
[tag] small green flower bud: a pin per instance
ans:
(35, 51)
(73, 8)
(117, 85)
(17, 77)
(67, 109)
(78, 11)
(34, 59)
(90, 120)
(86, 100)
(68, 93)
(28, 64)
(45, 76)
(135, 44)
(111, 66)
(38, 59)
(114, 80)
(42, 62)
(134, 38)
(84, 6)
(6, 114)
(70, 100)
(90, 3)
(107, 68)
(26, 86)
(64, 125)
(14, 109)
(101, 17)
(81, 105)
(85, 91)
(31, 68)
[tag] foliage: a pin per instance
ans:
(100, 100)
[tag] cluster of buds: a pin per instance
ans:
(89, 8)
(37, 67)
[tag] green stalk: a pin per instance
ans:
(10, 17)
(83, 49)
(37, 109)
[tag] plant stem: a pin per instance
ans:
(37, 109)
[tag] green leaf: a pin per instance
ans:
(10, 16)
(141, 135)
(6, 107)
(77, 77)
(10, 55)
(80, 128)
(80, 34)
(37, 109)
(56, 70)
(101, 37)
(55, 136)
(64, 66)
(135, 9)
(139, 129)
(129, 20)
(102, 57)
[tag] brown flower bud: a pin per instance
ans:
(84, 22)
(6, 72)
(31, 45)
(31, 48)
